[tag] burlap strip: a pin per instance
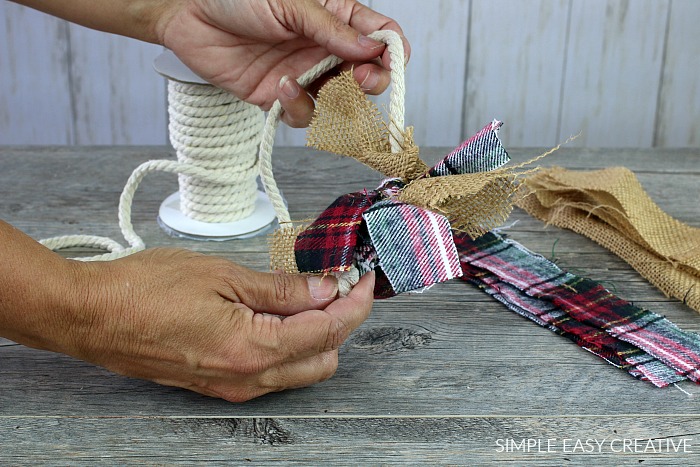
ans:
(610, 207)
(346, 122)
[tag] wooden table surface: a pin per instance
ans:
(448, 377)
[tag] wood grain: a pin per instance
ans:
(434, 378)
(678, 119)
(516, 56)
(35, 81)
(621, 72)
(118, 97)
(613, 65)
(343, 441)
(436, 72)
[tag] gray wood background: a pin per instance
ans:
(624, 73)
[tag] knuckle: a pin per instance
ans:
(336, 333)
(283, 288)
(239, 395)
(249, 367)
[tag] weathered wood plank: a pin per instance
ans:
(615, 75)
(118, 96)
(441, 360)
(446, 377)
(435, 75)
(516, 56)
(678, 120)
(613, 70)
(35, 80)
(354, 441)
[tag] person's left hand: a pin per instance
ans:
(256, 48)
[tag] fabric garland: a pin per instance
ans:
(469, 189)
(402, 229)
(427, 225)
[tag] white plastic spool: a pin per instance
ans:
(171, 218)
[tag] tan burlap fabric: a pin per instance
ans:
(346, 122)
(281, 245)
(610, 207)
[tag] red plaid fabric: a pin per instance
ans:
(646, 344)
(328, 245)
(621, 354)
(409, 247)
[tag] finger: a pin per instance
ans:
(297, 104)
(281, 294)
(300, 373)
(372, 78)
(366, 21)
(313, 332)
(373, 85)
(386, 58)
(311, 19)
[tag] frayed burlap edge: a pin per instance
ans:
(673, 280)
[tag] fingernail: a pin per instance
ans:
(322, 288)
(289, 87)
(370, 81)
(368, 42)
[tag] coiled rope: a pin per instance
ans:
(214, 135)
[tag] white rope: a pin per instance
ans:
(396, 115)
(215, 136)
(212, 129)
(394, 43)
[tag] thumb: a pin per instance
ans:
(285, 294)
(313, 21)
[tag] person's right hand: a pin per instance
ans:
(204, 323)
(247, 47)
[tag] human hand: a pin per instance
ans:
(200, 322)
(256, 48)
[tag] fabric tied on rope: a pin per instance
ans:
(427, 225)
(409, 246)
(402, 229)
(647, 345)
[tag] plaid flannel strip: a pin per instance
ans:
(618, 353)
(420, 252)
(414, 245)
(480, 153)
(596, 306)
(328, 245)
(586, 303)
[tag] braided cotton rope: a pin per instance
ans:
(396, 114)
(215, 136)
(212, 129)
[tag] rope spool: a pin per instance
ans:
(215, 136)
(212, 129)
(216, 188)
